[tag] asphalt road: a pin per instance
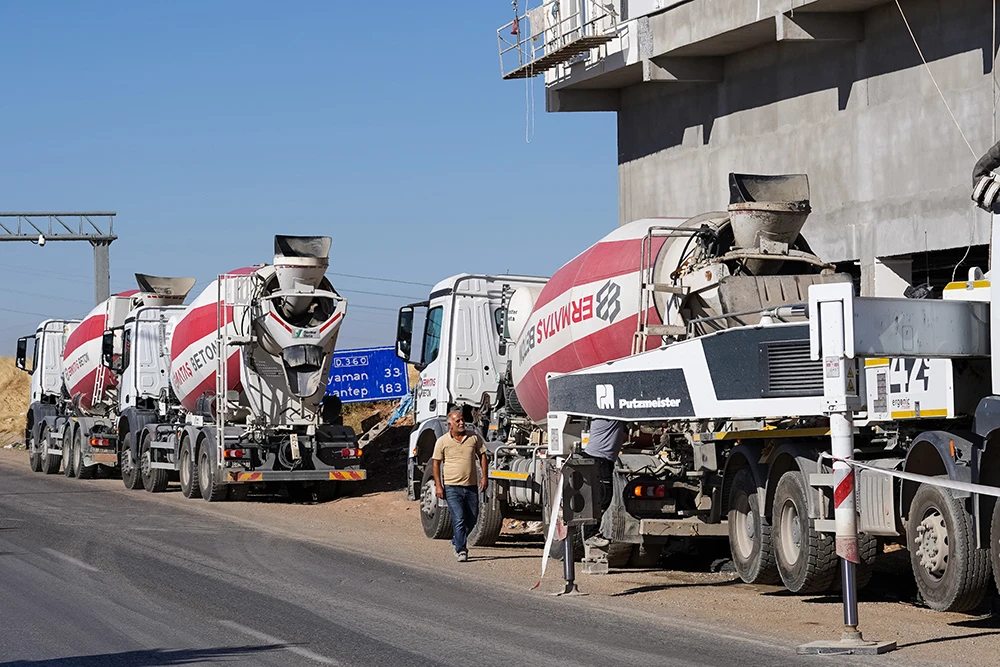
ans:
(93, 577)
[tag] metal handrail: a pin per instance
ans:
(584, 23)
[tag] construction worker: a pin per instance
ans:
(455, 479)
(606, 439)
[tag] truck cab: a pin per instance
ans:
(456, 341)
(41, 356)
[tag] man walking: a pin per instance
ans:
(455, 456)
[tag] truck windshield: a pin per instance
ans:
(432, 335)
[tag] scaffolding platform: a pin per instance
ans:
(561, 55)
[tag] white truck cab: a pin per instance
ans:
(455, 340)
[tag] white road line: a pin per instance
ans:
(297, 650)
(70, 559)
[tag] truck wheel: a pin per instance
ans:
(131, 477)
(67, 452)
(750, 533)
(489, 523)
(188, 472)
(807, 559)
(34, 458)
(50, 462)
(951, 573)
(82, 471)
(645, 555)
(154, 480)
(211, 489)
(995, 543)
(436, 519)
(619, 554)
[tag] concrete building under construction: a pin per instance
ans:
(836, 89)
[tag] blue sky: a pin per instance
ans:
(211, 126)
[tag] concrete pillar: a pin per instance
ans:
(102, 270)
(892, 275)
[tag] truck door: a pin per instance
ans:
(474, 373)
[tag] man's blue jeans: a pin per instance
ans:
(463, 503)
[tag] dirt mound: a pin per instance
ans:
(14, 387)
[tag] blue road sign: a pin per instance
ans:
(367, 374)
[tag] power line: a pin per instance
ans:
(395, 296)
(383, 280)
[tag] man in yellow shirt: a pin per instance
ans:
(455, 456)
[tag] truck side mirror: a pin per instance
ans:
(404, 333)
(110, 357)
(21, 360)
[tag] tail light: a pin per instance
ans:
(650, 490)
(350, 452)
(100, 442)
(233, 453)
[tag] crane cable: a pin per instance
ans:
(933, 80)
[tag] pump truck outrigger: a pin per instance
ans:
(727, 414)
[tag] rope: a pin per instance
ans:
(933, 80)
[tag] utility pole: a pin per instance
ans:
(97, 228)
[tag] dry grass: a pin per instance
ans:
(14, 387)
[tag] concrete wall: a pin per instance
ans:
(889, 171)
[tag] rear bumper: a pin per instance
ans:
(358, 475)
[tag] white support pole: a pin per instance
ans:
(840, 393)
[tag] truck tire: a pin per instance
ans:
(67, 451)
(489, 523)
(34, 458)
(131, 476)
(311, 492)
(645, 555)
(188, 472)
(211, 489)
(995, 543)
(50, 462)
(619, 554)
(806, 558)
(154, 480)
(750, 533)
(951, 573)
(435, 518)
(82, 471)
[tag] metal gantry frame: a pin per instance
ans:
(95, 227)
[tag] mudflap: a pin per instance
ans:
(617, 524)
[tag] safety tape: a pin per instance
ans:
(943, 482)
(567, 552)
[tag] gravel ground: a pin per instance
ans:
(386, 525)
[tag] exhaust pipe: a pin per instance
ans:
(300, 262)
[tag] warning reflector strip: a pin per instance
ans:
(246, 476)
(506, 474)
(349, 475)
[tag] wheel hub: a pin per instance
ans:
(932, 544)
(791, 533)
(428, 499)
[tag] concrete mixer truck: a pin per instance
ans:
(755, 477)
(75, 411)
(243, 371)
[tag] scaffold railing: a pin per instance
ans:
(552, 34)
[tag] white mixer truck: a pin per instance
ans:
(144, 388)
(76, 400)
(759, 480)
(248, 365)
